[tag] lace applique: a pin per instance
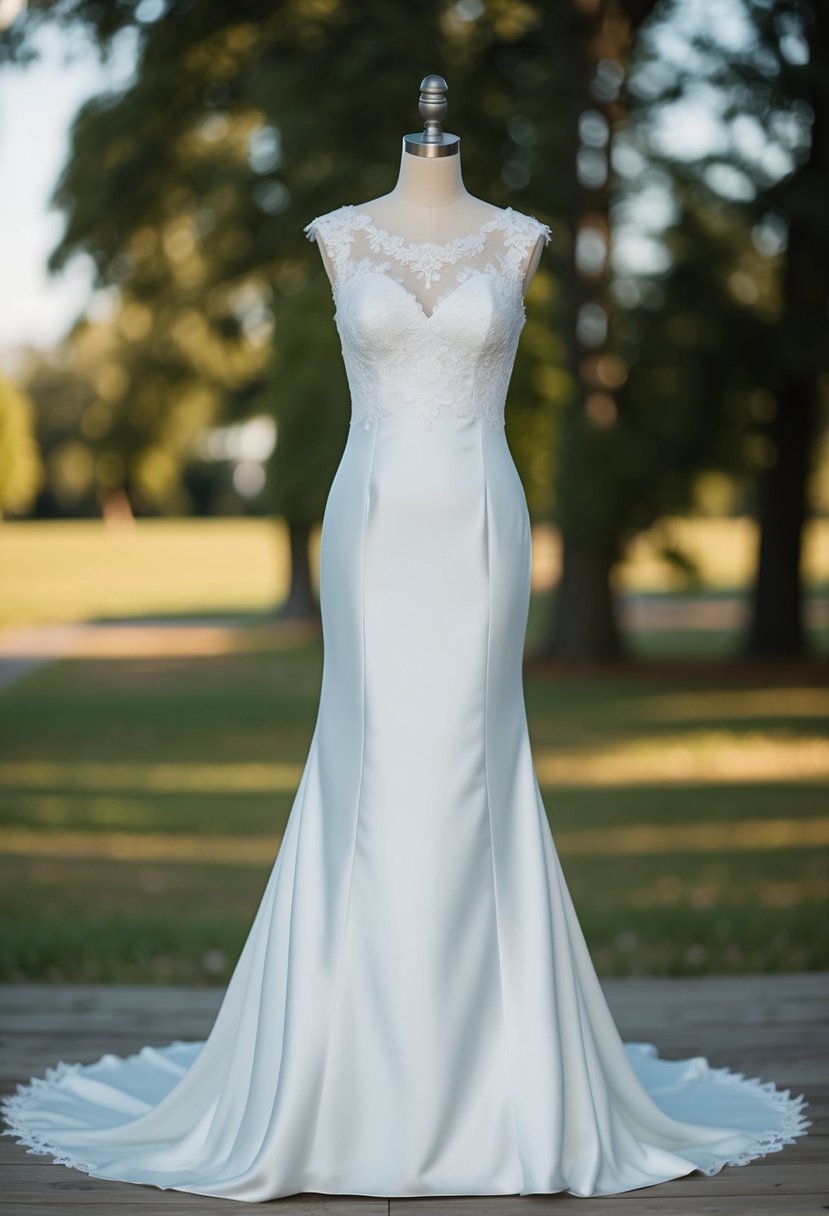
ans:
(427, 258)
(336, 237)
(338, 230)
(367, 264)
(416, 364)
(465, 271)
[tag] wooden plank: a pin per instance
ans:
(665, 1001)
(629, 990)
(135, 1200)
(794, 982)
(682, 1041)
(774, 1027)
(194, 1023)
(632, 1203)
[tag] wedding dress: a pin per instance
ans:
(414, 1011)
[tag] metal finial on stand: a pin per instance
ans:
(432, 140)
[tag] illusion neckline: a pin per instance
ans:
(400, 243)
(444, 298)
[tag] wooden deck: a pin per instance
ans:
(775, 1027)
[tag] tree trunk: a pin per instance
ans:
(584, 625)
(776, 622)
(301, 603)
(116, 507)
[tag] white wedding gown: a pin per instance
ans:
(414, 1011)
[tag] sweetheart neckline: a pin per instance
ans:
(444, 299)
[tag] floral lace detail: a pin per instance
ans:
(399, 358)
(366, 264)
(465, 271)
(427, 259)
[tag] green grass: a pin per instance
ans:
(71, 570)
(86, 745)
(672, 912)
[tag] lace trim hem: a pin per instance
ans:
(795, 1123)
(13, 1105)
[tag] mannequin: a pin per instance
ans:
(430, 203)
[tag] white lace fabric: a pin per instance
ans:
(416, 340)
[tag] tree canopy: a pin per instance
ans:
(189, 190)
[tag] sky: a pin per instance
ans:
(37, 104)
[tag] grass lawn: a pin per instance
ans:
(74, 570)
(70, 570)
(104, 760)
(142, 799)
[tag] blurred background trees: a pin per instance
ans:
(763, 185)
(676, 334)
(21, 471)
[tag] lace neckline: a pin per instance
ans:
(427, 258)
(399, 244)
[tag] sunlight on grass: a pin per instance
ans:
(144, 798)
(712, 704)
(723, 550)
(73, 570)
(696, 758)
(113, 640)
(163, 778)
(631, 840)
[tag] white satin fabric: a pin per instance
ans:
(414, 1011)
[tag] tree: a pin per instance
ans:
(208, 166)
(21, 470)
(308, 370)
(801, 329)
(770, 95)
(210, 163)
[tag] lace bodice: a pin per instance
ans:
(427, 329)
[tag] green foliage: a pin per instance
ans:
(728, 326)
(244, 121)
(121, 403)
(309, 402)
(21, 470)
(209, 164)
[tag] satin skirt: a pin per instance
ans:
(414, 1011)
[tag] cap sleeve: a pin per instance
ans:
(330, 231)
(535, 229)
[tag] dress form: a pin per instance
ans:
(429, 203)
(415, 1011)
